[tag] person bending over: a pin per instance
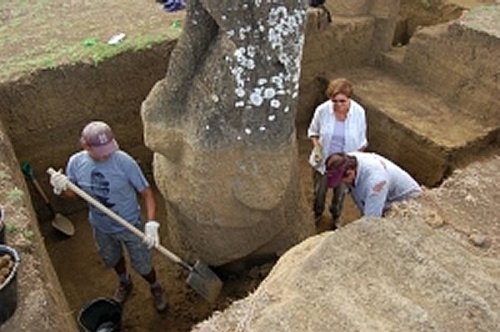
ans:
(375, 182)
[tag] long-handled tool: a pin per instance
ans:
(59, 222)
(201, 278)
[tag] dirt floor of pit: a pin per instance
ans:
(84, 277)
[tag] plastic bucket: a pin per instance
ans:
(2, 233)
(101, 315)
(8, 288)
(2, 225)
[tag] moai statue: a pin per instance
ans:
(221, 126)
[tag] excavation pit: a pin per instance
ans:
(67, 97)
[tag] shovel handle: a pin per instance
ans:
(44, 196)
(28, 172)
(40, 190)
(121, 221)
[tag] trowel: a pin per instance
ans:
(59, 222)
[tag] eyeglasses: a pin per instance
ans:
(339, 101)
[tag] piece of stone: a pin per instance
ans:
(222, 127)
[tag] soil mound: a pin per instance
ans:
(433, 265)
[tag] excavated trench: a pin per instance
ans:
(68, 97)
(113, 92)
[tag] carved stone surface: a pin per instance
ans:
(221, 125)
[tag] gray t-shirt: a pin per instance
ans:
(114, 182)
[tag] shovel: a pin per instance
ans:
(201, 278)
(59, 222)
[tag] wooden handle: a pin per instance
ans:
(120, 220)
(44, 196)
(40, 190)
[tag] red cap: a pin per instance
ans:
(334, 176)
(99, 138)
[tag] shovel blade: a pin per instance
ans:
(204, 281)
(63, 224)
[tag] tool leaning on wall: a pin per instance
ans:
(59, 222)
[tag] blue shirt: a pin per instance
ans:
(337, 144)
(114, 182)
(379, 183)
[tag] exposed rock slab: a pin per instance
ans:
(432, 265)
(406, 120)
(359, 30)
(435, 98)
(459, 62)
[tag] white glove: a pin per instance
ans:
(151, 231)
(59, 181)
(318, 153)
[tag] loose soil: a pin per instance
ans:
(6, 265)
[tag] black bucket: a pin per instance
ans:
(2, 225)
(8, 289)
(101, 315)
(2, 233)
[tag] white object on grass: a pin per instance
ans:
(118, 38)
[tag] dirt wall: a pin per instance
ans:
(41, 305)
(343, 43)
(44, 111)
(41, 115)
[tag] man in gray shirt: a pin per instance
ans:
(113, 177)
(374, 181)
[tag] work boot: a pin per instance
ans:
(123, 291)
(160, 298)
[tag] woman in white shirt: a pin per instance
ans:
(338, 125)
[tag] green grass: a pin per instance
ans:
(33, 44)
(426, 3)
(5, 176)
(10, 227)
(53, 54)
(15, 194)
(28, 234)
